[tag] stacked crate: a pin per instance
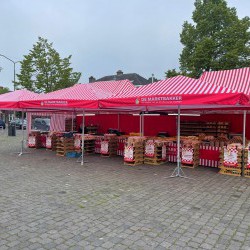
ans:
(231, 159)
(64, 146)
(98, 141)
(34, 139)
(247, 161)
(69, 123)
(121, 144)
(155, 152)
(54, 142)
(54, 139)
(43, 139)
(89, 143)
(190, 153)
(172, 151)
(109, 145)
(134, 151)
(49, 141)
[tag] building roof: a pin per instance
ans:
(136, 79)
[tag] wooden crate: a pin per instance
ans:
(247, 173)
(190, 152)
(153, 161)
(153, 154)
(230, 171)
(194, 165)
(69, 123)
(231, 158)
(135, 163)
(135, 155)
(112, 148)
(64, 145)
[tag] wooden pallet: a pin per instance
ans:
(60, 154)
(153, 161)
(108, 155)
(230, 171)
(190, 165)
(135, 163)
(247, 173)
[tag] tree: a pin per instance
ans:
(4, 90)
(43, 70)
(217, 40)
(171, 73)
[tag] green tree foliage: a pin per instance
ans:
(43, 70)
(217, 40)
(4, 90)
(172, 73)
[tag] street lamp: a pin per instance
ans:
(14, 68)
(153, 76)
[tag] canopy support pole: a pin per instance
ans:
(72, 122)
(142, 122)
(244, 144)
(118, 121)
(83, 125)
(23, 140)
(82, 155)
(140, 125)
(178, 172)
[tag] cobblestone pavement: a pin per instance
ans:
(51, 202)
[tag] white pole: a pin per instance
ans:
(83, 117)
(22, 142)
(178, 142)
(72, 122)
(118, 121)
(244, 143)
(140, 125)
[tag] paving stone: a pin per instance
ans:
(55, 203)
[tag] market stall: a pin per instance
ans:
(167, 96)
(11, 101)
(78, 98)
(177, 93)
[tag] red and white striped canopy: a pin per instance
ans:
(179, 90)
(237, 79)
(11, 100)
(114, 87)
(79, 96)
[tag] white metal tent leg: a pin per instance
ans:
(23, 140)
(178, 172)
(244, 143)
(83, 125)
(140, 125)
(118, 121)
(72, 122)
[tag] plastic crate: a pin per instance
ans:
(72, 154)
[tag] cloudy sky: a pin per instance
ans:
(136, 36)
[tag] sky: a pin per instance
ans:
(103, 36)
